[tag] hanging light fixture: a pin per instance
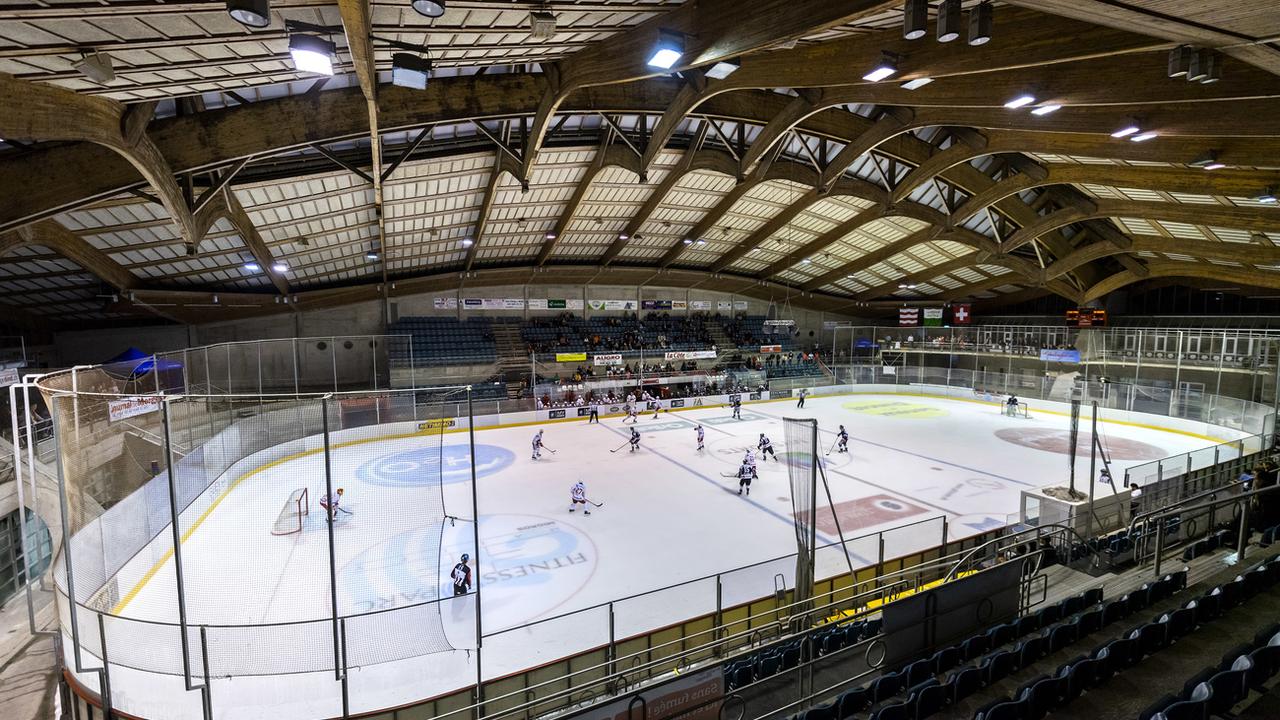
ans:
(1180, 60)
(668, 50)
(915, 19)
(948, 20)
(429, 8)
(916, 83)
(723, 69)
(885, 67)
(312, 54)
(410, 71)
(254, 13)
(980, 24)
(1199, 67)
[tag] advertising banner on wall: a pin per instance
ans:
(472, 304)
(538, 304)
(655, 304)
(724, 305)
(1062, 356)
(679, 305)
(770, 348)
(739, 304)
(619, 304)
(614, 359)
(699, 304)
(691, 355)
(132, 407)
(570, 357)
(512, 303)
(446, 303)
(571, 304)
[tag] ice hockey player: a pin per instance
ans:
(633, 413)
(746, 474)
(461, 576)
(537, 445)
(765, 446)
(594, 417)
(578, 496)
(701, 436)
(843, 437)
(749, 458)
(635, 440)
(737, 408)
(657, 407)
(331, 503)
(803, 394)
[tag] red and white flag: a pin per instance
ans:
(908, 316)
(961, 314)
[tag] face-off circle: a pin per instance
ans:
(1059, 441)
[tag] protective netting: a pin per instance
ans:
(268, 604)
(802, 470)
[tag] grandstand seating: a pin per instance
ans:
(443, 341)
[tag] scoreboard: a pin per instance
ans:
(1087, 317)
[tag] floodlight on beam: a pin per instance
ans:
(1180, 60)
(915, 19)
(948, 20)
(97, 67)
(429, 8)
(312, 54)
(668, 50)
(723, 69)
(885, 67)
(410, 71)
(980, 24)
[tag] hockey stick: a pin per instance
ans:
(596, 503)
(621, 446)
(833, 446)
(553, 452)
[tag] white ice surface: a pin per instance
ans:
(669, 516)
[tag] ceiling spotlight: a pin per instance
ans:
(280, 267)
(1128, 128)
(1046, 109)
(807, 261)
(1143, 137)
(429, 8)
(1212, 68)
(96, 66)
(1208, 161)
(906, 286)
(915, 19)
(666, 53)
(948, 20)
(252, 266)
(917, 83)
(254, 13)
(688, 241)
(410, 71)
(467, 242)
(372, 255)
(723, 69)
(1020, 101)
(886, 66)
(623, 236)
(312, 54)
(701, 241)
(551, 236)
(1266, 196)
(1180, 60)
(1198, 69)
(980, 24)
(542, 25)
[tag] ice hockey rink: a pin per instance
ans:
(669, 515)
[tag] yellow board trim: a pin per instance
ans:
(168, 554)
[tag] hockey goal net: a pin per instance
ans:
(1021, 410)
(295, 509)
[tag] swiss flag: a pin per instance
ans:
(961, 314)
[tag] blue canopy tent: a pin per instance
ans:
(134, 364)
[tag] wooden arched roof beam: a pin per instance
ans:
(61, 177)
(503, 164)
(606, 156)
(1263, 219)
(53, 235)
(1170, 268)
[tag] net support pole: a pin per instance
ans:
(475, 538)
(339, 672)
(1093, 461)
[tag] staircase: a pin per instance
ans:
(719, 337)
(513, 362)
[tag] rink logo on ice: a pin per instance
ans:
(529, 564)
(425, 466)
(895, 408)
(869, 511)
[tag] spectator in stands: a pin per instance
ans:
(1135, 502)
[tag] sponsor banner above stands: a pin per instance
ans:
(700, 305)
(740, 304)
(614, 359)
(724, 305)
(539, 304)
(780, 323)
(571, 357)
(1062, 356)
(472, 304)
(770, 348)
(612, 304)
(691, 355)
(8, 376)
(513, 304)
(132, 407)
(933, 317)
(908, 317)
(679, 305)
(570, 304)
(655, 304)
(446, 303)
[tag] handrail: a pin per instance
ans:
(1034, 529)
(1233, 499)
(1145, 516)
